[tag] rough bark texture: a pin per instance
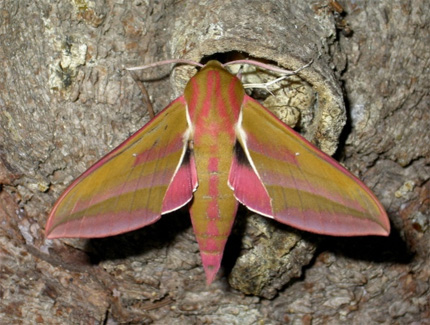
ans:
(65, 100)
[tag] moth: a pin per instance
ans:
(211, 149)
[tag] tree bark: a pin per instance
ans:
(66, 100)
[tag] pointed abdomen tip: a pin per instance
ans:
(211, 264)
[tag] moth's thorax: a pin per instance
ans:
(214, 97)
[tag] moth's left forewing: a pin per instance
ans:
(307, 189)
(127, 188)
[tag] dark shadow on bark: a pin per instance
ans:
(234, 242)
(371, 248)
(152, 237)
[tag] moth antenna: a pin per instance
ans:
(159, 63)
(145, 94)
(270, 67)
(269, 83)
(142, 87)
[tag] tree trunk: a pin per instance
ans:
(66, 100)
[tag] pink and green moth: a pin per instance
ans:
(211, 149)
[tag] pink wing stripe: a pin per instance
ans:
(181, 189)
(329, 223)
(111, 223)
(248, 188)
(150, 154)
(272, 151)
(273, 178)
(158, 178)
